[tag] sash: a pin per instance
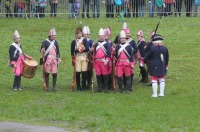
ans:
(123, 49)
(100, 45)
(50, 46)
(129, 40)
(17, 48)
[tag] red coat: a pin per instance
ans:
(169, 1)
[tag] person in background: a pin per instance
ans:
(141, 8)
(8, 8)
(71, 9)
(167, 9)
(196, 4)
(51, 53)
(188, 6)
(151, 8)
(86, 9)
(96, 9)
(158, 58)
(16, 60)
(15, 8)
(109, 8)
(54, 4)
(135, 6)
(21, 7)
(43, 4)
(178, 6)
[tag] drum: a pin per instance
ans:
(29, 68)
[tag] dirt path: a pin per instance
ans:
(19, 127)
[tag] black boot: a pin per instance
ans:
(15, 83)
(99, 83)
(128, 84)
(105, 77)
(78, 80)
(110, 82)
(47, 81)
(131, 82)
(54, 81)
(84, 77)
(119, 81)
(143, 72)
(89, 78)
(19, 83)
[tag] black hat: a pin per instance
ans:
(157, 37)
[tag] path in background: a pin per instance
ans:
(19, 127)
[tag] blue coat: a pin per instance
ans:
(156, 66)
(129, 50)
(106, 46)
(46, 44)
(13, 56)
(73, 46)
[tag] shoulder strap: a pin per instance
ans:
(17, 47)
(50, 46)
(123, 49)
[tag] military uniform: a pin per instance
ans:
(101, 61)
(51, 52)
(79, 49)
(124, 55)
(140, 54)
(157, 57)
(16, 60)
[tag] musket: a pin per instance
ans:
(157, 25)
(74, 74)
(43, 75)
(92, 81)
(113, 71)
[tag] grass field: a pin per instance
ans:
(99, 112)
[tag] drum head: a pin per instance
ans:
(31, 62)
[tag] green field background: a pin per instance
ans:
(100, 112)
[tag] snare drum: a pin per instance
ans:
(29, 68)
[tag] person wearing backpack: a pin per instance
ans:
(43, 4)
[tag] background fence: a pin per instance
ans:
(102, 8)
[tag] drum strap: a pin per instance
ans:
(50, 46)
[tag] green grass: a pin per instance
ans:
(137, 111)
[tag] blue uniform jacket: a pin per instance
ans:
(73, 46)
(156, 66)
(141, 46)
(46, 44)
(106, 46)
(12, 55)
(129, 51)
